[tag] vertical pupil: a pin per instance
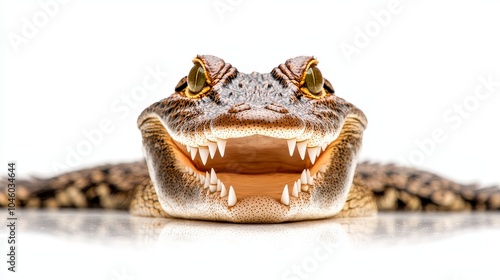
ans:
(196, 78)
(314, 80)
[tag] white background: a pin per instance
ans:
(65, 76)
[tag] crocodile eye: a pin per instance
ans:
(196, 79)
(314, 81)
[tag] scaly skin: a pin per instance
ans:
(257, 118)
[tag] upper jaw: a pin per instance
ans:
(200, 132)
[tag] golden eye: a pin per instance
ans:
(314, 81)
(196, 79)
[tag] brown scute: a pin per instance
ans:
(294, 68)
(213, 66)
(360, 202)
(106, 186)
(145, 201)
(403, 188)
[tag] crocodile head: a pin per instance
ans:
(273, 147)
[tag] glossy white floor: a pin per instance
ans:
(116, 246)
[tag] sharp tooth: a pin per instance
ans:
(213, 177)
(219, 185)
(291, 145)
(231, 198)
(202, 179)
(207, 180)
(188, 148)
(323, 147)
(223, 191)
(298, 184)
(318, 152)
(310, 180)
(212, 188)
(212, 147)
(221, 144)
(190, 171)
(295, 190)
(312, 154)
(285, 198)
(204, 154)
(301, 147)
(303, 177)
(193, 152)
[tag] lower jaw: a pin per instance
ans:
(263, 209)
(258, 195)
(190, 200)
(257, 208)
(182, 194)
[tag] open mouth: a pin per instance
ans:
(245, 173)
(256, 177)
(256, 165)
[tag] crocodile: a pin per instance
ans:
(253, 148)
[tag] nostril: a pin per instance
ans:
(276, 108)
(239, 108)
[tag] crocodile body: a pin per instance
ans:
(253, 148)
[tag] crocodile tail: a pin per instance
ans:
(403, 188)
(106, 186)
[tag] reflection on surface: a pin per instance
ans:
(385, 228)
(111, 245)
